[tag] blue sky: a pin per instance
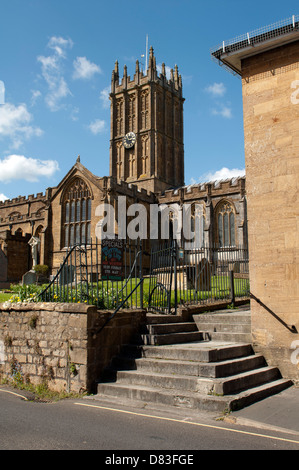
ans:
(56, 59)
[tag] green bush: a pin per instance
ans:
(24, 293)
(41, 269)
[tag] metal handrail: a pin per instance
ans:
(78, 245)
(291, 328)
(117, 309)
(161, 286)
(83, 250)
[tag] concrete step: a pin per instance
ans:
(174, 363)
(207, 385)
(170, 338)
(225, 325)
(168, 333)
(190, 399)
(239, 317)
(201, 351)
(229, 336)
(162, 397)
(153, 318)
(185, 367)
(167, 328)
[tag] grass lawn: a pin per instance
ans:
(4, 297)
(107, 290)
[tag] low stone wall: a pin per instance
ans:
(60, 343)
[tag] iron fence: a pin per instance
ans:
(115, 274)
(106, 274)
(182, 276)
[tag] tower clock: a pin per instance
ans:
(146, 145)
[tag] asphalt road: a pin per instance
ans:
(87, 424)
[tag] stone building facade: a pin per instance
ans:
(267, 61)
(146, 166)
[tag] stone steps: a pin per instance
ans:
(207, 385)
(225, 325)
(173, 331)
(185, 399)
(196, 368)
(171, 363)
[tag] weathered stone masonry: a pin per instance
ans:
(59, 343)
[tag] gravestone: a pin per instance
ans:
(199, 276)
(29, 278)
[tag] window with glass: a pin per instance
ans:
(77, 214)
(198, 216)
(226, 224)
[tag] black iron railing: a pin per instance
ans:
(105, 274)
(184, 275)
(115, 274)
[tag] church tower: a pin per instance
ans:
(147, 142)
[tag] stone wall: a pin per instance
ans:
(271, 113)
(60, 343)
(3, 269)
(15, 256)
(24, 213)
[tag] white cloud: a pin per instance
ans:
(15, 123)
(59, 45)
(35, 94)
(223, 111)
(3, 197)
(52, 72)
(74, 114)
(222, 174)
(104, 97)
(84, 69)
(97, 126)
(58, 90)
(19, 167)
(167, 70)
(216, 89)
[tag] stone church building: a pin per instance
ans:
(146, 166)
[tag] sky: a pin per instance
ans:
(56, 60)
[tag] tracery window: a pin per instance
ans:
(77, 214)
(226, 224)
(198, 217)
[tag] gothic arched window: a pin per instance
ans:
(198, 217)
(226, 224)
(76, 214)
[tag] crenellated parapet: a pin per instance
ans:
(130, 190)
(23, 212)
(23, 200)
(173, 83)
(219, 188)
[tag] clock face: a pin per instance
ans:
(129, 140)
